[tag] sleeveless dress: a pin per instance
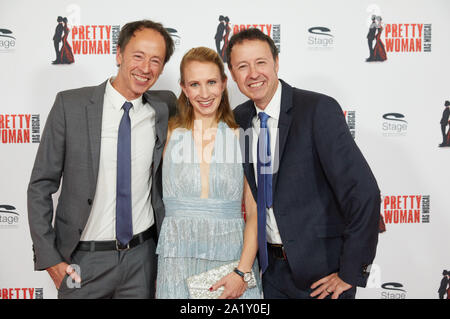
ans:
(66, 50)
(199, 234)
(379, 52)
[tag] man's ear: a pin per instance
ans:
(232, 73)
(118, 57)
(277, 65)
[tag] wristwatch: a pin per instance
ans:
(245, 276)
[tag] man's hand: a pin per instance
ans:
(59, 271)
(234, 286)
(331, 284)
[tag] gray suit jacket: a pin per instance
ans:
(70, 150)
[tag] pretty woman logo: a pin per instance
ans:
(63, 50)
(225, 30)
(71, 39)
(406, 209)
(351, 122)
(408, 37)
(19, 128)
(95, 39)
(377, 51)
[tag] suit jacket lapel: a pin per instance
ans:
(248, 164)
(94, 112)
(284, 124)
(161, 117)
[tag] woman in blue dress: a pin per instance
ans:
(203, 187)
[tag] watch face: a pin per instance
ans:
(247, 277)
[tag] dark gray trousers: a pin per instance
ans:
(278, 283)
(113, 274)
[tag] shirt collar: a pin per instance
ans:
(273, 108)
(117, 100)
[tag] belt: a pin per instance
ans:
(115, 244)
(277, 251)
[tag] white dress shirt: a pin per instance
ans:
(273, 110)
(101, 224)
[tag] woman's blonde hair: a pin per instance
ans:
(185, 114)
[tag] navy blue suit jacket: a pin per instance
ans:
(325, 198)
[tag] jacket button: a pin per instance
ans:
(89, 202)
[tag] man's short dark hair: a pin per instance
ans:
(447, 103)
(250, 34)
(130, 28)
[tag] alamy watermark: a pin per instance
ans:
(226, 146)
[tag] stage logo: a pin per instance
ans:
(174, 35)
(20, 128)
(394, 125)
(320, 38)
(225, 29)
(7, 41)
(393, 290)
(21, 293)
(9, 217)
(406, 209)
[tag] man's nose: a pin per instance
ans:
(253, 72)
(145, 66)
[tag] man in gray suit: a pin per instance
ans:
(105, 144)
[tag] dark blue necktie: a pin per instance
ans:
(264, 199)
(124, 222)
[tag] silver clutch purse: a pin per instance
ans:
(198, 285)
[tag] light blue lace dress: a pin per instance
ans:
(199, 234)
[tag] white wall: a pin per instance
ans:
(414, 84)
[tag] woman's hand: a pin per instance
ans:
(234, 285)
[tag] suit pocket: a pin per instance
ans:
(63, 284)
(329, 231)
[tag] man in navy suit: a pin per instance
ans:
(321, 204)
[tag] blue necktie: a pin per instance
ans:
(264, 198)
(124, 222)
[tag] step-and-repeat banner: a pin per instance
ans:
(393, 100)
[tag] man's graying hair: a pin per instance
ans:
(130, 28)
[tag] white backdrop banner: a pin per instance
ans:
(393, 106)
